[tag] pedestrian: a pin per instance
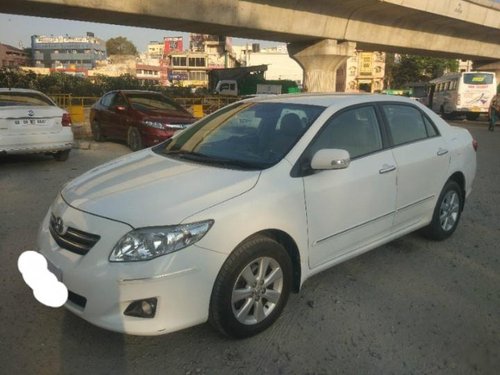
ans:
(494, 112)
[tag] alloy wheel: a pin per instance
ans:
(257, 291)
(449, 210)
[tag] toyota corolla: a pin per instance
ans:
(222, 221)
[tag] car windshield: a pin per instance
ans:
(152, 102)
(245, 135)
(12, 98)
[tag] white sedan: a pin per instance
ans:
(224, 220)
(30, 122)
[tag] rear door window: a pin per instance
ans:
(406, 123)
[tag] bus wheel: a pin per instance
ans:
(443, 114)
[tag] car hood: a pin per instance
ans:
(145, 189)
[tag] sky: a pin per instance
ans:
(17, 31)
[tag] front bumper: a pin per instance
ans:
(465, 110)
(152, 136)
(182, 282)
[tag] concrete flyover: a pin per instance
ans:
(468, 29)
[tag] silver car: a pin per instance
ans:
(30, 122)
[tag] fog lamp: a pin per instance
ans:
(144, 308)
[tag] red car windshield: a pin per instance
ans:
(152, 102)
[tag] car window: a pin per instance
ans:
(107, 99)
(12, 98)
(355, 130)
(406, 123)
(430, 127)
(119, 100)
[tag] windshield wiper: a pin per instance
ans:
(213, 160)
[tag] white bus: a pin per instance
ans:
(467, 93)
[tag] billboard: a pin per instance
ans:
(172, 44)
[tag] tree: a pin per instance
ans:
(389, 65)
(120, 46)
(411, 68)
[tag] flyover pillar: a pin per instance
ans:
(320, 62)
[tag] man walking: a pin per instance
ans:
(494, 111)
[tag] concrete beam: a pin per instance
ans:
(458, 28)
(320, 62)
(490, 67)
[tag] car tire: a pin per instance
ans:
(252, 288)
(134, 140)
(97, 132)
(62, 155)
(446, 213)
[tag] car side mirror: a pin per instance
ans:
(330, 159)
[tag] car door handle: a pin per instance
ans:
(442, 151)
(386, 168)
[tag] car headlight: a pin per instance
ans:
(154, 124)
(176, 126)
(151, 242)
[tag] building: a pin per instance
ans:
(187, 68)
(115, 66)
(465, 65)
(279, 64)
(158, 60)
(364, 71)
(148, 73)
(13, 57)
(206, 52)
(155, 50)
(66, 53)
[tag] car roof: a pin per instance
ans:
(330, 99)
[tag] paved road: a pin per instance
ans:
(410, 307)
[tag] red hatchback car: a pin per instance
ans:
(141, 118)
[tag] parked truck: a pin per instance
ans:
(248, 81)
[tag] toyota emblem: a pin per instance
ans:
(59, 227)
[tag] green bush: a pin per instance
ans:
(61, 83)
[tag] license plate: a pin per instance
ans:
(56, 271)
(22, 123)
(476, 109)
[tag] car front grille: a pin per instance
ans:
(72, 239)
